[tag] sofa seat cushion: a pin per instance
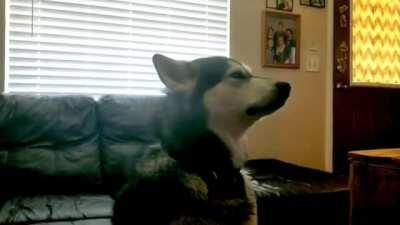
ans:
(53, 208)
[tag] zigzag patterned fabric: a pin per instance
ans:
(376, 41)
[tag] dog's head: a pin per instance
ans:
(230, 96)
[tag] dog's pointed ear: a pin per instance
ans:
(176, 75)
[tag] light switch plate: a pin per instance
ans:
(312, 62)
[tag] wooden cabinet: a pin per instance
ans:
(375, 186)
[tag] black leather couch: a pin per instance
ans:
(63, 158)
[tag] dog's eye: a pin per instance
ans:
(238, 76)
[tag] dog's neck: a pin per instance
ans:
(231, 135)
(196, 143)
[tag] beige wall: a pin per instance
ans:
(298, 132)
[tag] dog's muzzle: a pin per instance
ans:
(282, 93)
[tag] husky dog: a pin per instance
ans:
(194, 178)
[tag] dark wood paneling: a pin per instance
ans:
(341, 43)
(364, 118)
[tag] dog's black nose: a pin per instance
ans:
(283, 88)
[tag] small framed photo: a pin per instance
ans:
(281, 40)
(317, 3)
(286, 5)
(305, 2)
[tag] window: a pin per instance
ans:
(105, 46)
(375, 42)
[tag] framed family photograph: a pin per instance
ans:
(286, 5)
(281, 40)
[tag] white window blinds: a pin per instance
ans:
(105, 46)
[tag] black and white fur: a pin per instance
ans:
(195, 178)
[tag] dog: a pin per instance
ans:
(194, 177)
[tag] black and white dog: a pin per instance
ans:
(196, 179)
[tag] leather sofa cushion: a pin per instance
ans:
(282, 179)
(126, 134)
(293, 194)
(52, 208)
(48, 144)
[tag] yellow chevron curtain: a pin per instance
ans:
(376, 41)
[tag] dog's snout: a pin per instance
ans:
(283, 88)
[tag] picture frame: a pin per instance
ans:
(281, 36)
(305, 2)
(317, 3)
(285, 5)
(313, 3)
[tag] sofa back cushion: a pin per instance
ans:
(48, 144)
(126, 134)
